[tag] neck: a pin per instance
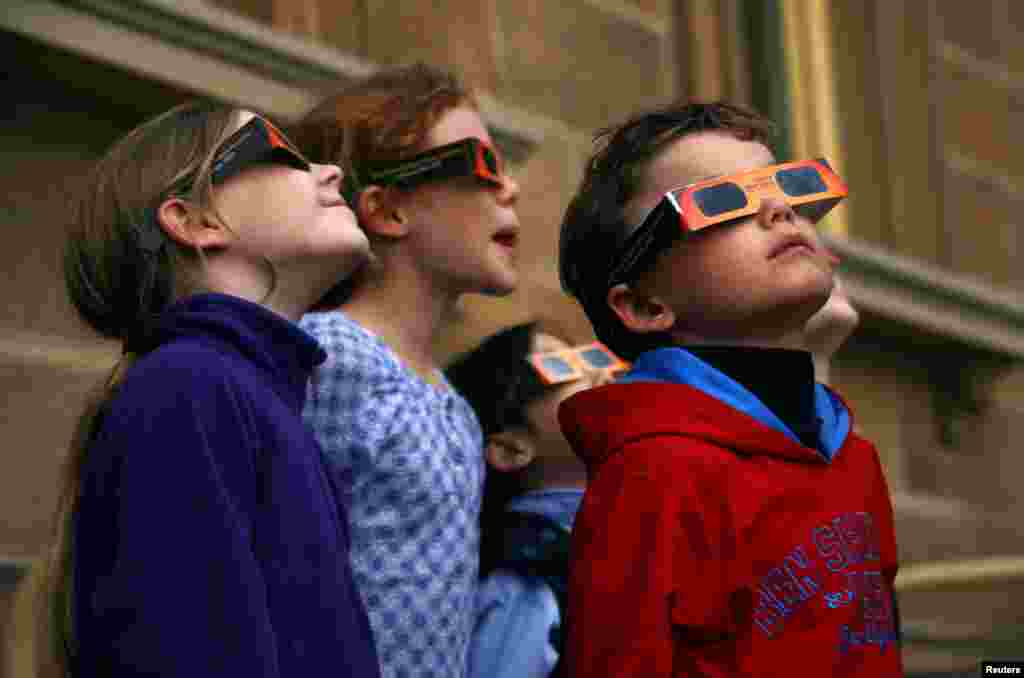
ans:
(787, 335)
(821, 368)
(550, 475)
(277, 302)
(793, 341)
(406, 312)
(290, 293)
(791, 398)
(784, 341)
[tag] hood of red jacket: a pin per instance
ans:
(600, 421)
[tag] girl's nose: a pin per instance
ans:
(328, 174)
(508, 194)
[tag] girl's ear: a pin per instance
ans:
(638, 311)
(378, 212)
(510, 451)
(187, 226)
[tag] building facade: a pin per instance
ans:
(916, 102)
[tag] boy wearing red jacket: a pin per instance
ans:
(734, 524)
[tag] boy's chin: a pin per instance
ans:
(793, 318)
(770, 324)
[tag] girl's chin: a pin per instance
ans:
(503, 280)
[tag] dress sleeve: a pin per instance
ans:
(167, 576)
(650, 558)
(512, 634)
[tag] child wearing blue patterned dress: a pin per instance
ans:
(404, 448)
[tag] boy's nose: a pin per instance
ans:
(774, 212)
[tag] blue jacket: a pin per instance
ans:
(208, 540)
(516, 614)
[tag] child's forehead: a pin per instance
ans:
(456, 124)
(693, 158)
(706, 155)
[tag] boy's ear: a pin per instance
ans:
(640, 312)
(379, 214)
(187, 226)
(509, 451)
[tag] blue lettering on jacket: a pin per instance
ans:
(848, 540)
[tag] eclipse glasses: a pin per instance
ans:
(255, 142)
(810, 187)
(570, 364)
(470, 157)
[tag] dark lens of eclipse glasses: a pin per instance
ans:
(800, 181)
(719, 199)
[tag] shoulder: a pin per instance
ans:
(460, 406)
(185, 401)
(356, 358)
(339, 334)
(185, 368)
(656, 476)
(333, 327)
(187, 390)
(861, 456)
(661, 456)
(516, 594)
(640, 418)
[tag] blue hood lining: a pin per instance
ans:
(679, 366)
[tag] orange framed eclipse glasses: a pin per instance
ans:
(810, 187)
(570, 364)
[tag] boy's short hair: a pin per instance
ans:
(593, 228)
(496, 378)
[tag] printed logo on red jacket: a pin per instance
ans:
(840, 565)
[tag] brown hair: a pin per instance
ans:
(593, 229)
(121, 271)
(383, 118)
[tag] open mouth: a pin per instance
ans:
(508, 238)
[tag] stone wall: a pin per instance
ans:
(929, 109)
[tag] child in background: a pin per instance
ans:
(827, 329)
(431, 193)
(198, 533)
(515, 381)
(733, 523)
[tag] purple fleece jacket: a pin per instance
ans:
(208, 540)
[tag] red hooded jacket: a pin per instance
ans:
(712, 544)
